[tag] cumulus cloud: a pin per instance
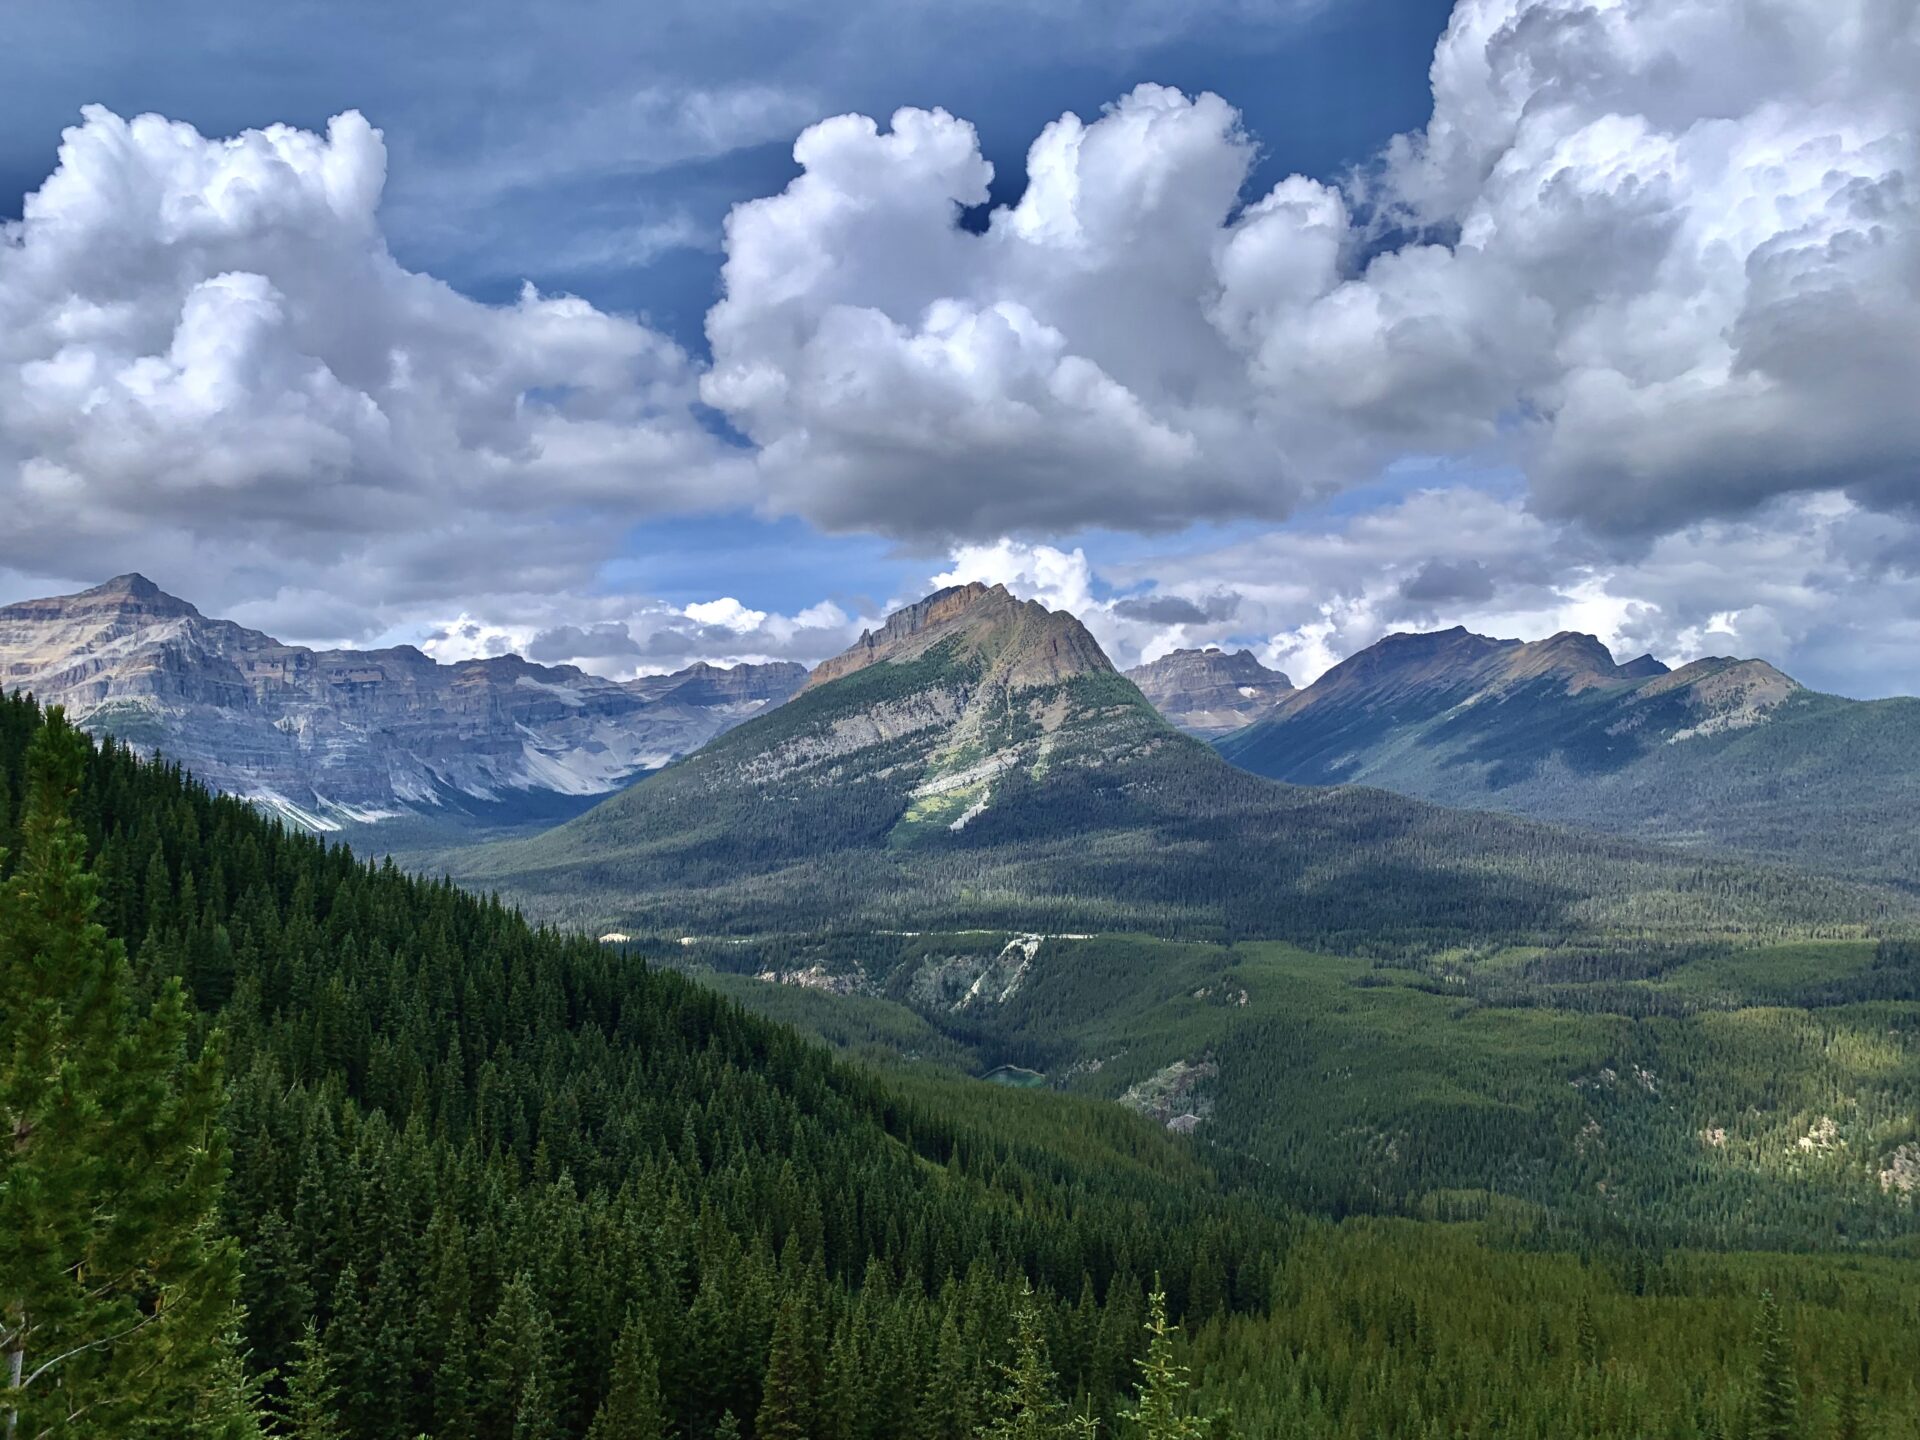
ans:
(211, 368)
(621, 636)
(1663, 254)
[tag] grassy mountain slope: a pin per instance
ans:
(1723, 756)
(982, 764)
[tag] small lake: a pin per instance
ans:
(1014, 1075)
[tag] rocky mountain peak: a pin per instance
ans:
(1024, 643)
(1644, 667)
(1411, 660)
(1578, 659)
(132, 584)
(125, 598)
(1208, 691)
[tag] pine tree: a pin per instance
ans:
(1158, 1412)
(795, 1377)
(311, 1410)
(1849, 1420)
(944, 1411)
(521, 1404)
(1026, 1407)
(117, 1302)
(632, 1408)
(1776, 1397)
(1586, 1338)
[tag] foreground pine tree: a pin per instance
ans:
(117, 1299)
(1160, 1409)
(1026, 1407)
(1776, 1398)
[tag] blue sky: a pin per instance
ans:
(1530, 309)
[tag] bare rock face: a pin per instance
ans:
(1210, 692)
(326, 736)
(1036, 646)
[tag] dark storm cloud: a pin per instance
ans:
(607, 641)
(1177, 609)
(1448, 582)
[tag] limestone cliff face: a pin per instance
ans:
(325, 736)
(1210, 692)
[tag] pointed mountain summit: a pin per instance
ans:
(977, 762)
(132, 586)
(331, 737)
(1027, 643)
(1210, 692)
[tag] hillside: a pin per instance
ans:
(978, 762)
(333, 738)
(1722, 755)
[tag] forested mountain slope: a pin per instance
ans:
(498, 1183)
(495, 1183)
(978, 762)
(1722, 755)
(1700, 1093)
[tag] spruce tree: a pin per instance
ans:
(117, 1300)
(631, 1410)
(795, 1377)
(311, 1410)
(1586, 1337)
(1159, 1410)
(1776, 1395)
(1026, 1406)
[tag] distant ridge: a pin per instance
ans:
(1721, 754)
(334, 737)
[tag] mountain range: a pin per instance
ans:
(329, 738)
(1722, 755)
(978, 761)
(971, 706)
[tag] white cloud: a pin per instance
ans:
(1818, 584)
(1663, 253)
(212, 369)
(621, 636)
